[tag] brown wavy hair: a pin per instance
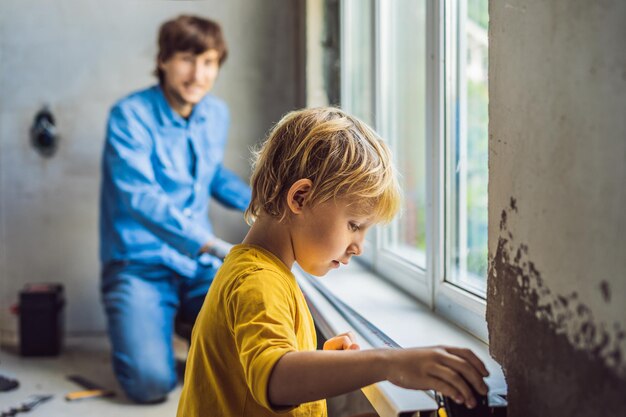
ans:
(189, 34)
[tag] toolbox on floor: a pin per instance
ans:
(41, 319)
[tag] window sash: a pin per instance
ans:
(427, 284)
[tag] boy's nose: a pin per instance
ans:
(355, 249)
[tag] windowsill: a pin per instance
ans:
(402, 318)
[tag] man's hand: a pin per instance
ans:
(344, 341)
(217, 247)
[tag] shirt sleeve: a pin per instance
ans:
(262, 314)
(229, 189)
(127, 156)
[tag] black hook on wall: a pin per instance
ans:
(43, 132)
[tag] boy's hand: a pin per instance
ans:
(442, 368)
(344, 341)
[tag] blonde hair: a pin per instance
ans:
(341, 155)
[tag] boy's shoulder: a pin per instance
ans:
(251, 266)
(244, 254)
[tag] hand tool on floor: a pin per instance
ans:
(8, 383)
(30, 403)
(92, 390)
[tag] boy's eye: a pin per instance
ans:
(354, 227)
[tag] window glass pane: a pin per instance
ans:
(403, 101)
(468, 143)
(358, 59)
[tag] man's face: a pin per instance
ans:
(189, 77)
(328, 235)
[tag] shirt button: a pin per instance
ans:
(187, 212)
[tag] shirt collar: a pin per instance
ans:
(169, 117)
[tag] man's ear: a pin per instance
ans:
(298, 194)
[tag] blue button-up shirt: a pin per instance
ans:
(159, 171)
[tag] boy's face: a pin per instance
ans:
(189, 77)
(328, 235)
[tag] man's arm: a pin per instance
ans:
(229, 189)
(300, 377)
(232, 192)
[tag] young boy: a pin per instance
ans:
(320, 182)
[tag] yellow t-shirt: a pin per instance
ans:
(253, 314)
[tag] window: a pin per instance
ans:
(417, 71)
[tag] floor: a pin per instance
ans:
(87, 356)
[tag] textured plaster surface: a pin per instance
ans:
(554, 351)
(556, 305)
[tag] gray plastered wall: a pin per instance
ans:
(79, 57)
(557, 196)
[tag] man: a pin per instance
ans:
(162, 162)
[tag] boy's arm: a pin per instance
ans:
(300, 377)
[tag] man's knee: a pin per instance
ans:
(147, 384)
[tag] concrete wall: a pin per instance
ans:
(557, 196)
(79, 56)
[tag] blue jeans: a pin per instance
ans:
(141, 301)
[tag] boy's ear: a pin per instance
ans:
(298, 194)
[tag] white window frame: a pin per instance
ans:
(457, 304)
(427, 285)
